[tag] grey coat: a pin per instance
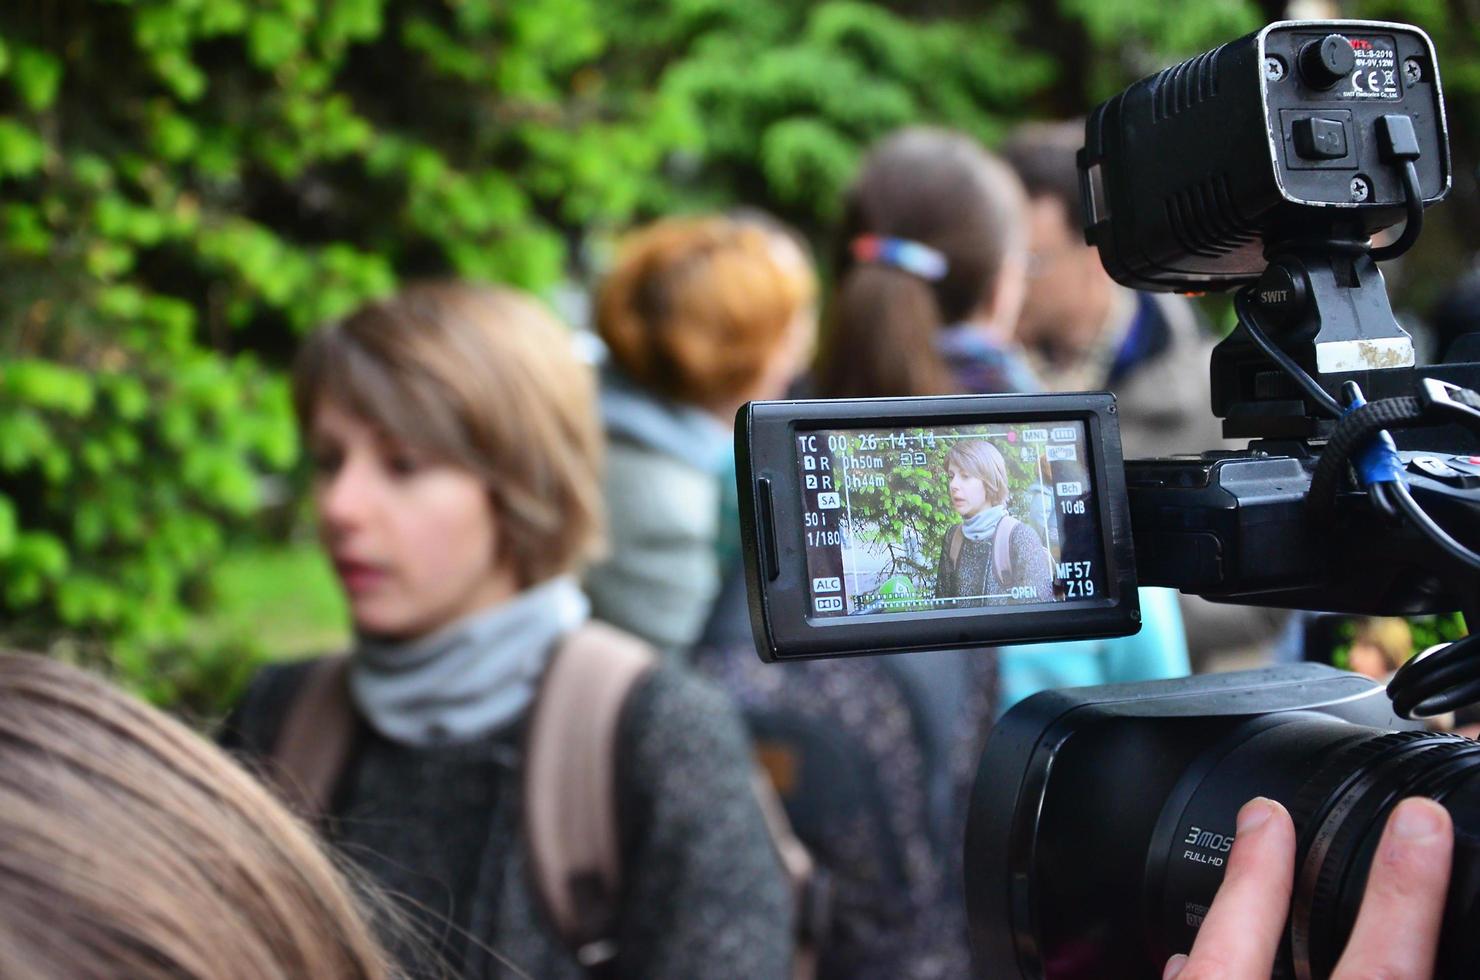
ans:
(664, 465)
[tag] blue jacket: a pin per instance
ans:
(1158, 651)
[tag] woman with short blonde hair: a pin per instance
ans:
(481, 378)
(990, 557)
(457, 484)
(980, 459)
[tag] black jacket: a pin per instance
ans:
(438, 829)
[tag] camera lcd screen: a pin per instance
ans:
(916, 519)
(891, 524)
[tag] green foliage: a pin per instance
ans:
(1426, 631)
(278, 601)
(186, 186)
(896, 499)
(791, 94)
(189, 186)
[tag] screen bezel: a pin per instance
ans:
(771, 514)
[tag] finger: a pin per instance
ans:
(1241, 934)
(1397, 929)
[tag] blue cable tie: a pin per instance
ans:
(1378, 461)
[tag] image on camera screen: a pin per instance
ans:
(912, 520)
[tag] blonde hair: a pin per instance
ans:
(981, 459)
(131, 847)
(1390, 636)
(485, 379)
(695, 308)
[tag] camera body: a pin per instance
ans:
(1103, 817)
(847, 519)
(1187, 176)
(1237, 527)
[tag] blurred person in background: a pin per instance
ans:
(699, 316)
(955, 273)
(872, 757)
(933, 264)
(1380, 645)
(929, 267)
(1085, 332)
(930, 274)
(457, 481)
(132, 848)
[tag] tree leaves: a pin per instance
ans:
(188, 187)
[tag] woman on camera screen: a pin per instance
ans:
(990, 557)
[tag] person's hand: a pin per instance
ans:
(1397, 928)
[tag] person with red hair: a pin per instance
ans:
(699, 316)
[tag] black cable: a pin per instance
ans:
(1243, 309)
(1378, 494)
(1431, 528)
(1414, 224)
(1443, 681)
(1352, 433)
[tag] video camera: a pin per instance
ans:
(1101, 817)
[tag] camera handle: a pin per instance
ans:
(1331, 306)
(1320, 310)
(1449, 677)
(1327, 300)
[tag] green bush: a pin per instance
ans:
(188, 185)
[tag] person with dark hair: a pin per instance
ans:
(933, 271)
(931, 262)
(1084, 332)
(457, 482)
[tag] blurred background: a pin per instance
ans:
(188, 186)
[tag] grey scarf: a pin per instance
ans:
(470, 677)
(983, 523)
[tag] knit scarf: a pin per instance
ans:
(470, 677)
(983, 523)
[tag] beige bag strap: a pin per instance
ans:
(811, 900)
(570, 791)
(1002, 548)
(313, 742)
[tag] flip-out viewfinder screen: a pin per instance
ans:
(931, 518)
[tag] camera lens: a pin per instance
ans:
(1339, 782)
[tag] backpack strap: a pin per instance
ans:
(570, 801)
(314, 740)
(811, 890)
(570, 784)
(1002, 548)
(956, 536)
